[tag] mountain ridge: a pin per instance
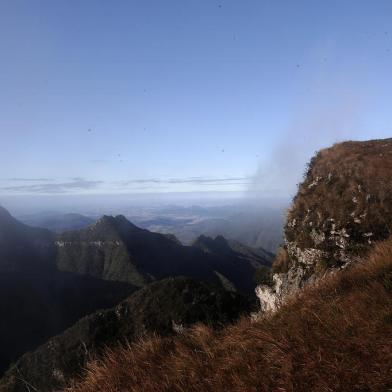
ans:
(113, 248)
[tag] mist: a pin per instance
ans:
(333, 110)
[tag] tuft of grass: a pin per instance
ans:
(334, 336)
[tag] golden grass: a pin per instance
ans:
(336, 336)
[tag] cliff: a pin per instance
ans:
(343, 206)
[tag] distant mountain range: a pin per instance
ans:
(57, 222)
(48, 281)
(254, 225)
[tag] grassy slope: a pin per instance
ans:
(334, 337)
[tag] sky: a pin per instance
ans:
(121, 97)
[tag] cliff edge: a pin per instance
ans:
(343, 206)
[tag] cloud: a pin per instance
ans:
(208, 181)
(77, 184)
(142, 181)
(16, 179)
(192, 180)
(333, 111)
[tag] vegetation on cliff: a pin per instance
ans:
(342, 207)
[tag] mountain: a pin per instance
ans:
(342, 208)
(36, 300)
(231, 248)
(49, 281)
(24, 248)
(165, 307)
(115, 249)
(57, 222)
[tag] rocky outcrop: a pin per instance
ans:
(343, 206)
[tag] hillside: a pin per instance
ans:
(34, 307)
(115, 249)
(24, 248)
(336, 336)
(164, 307)
(36, 300)
(231, 248)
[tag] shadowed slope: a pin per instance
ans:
(34, 307)
(24, 248)
(164, 307)
(36, 300)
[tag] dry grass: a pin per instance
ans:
(334, 337)
(348, 186)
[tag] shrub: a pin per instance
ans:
(263, 276)
(282, 261)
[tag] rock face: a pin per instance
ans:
(343, 206)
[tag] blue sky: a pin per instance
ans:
(178, 96)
